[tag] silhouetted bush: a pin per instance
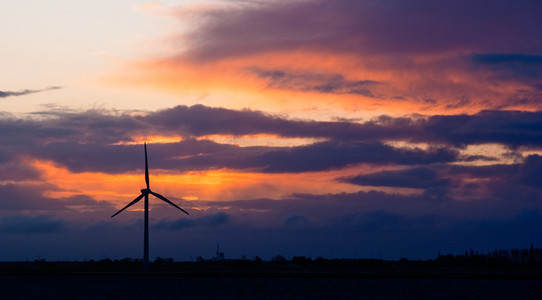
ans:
(278, 259)
(301, 260)
(159, 261)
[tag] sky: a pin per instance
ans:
(337, 129)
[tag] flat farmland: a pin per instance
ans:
(285, 285)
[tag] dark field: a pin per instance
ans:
(366, 280)
(175, 286)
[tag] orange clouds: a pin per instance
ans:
(322, 85)
(216, 185)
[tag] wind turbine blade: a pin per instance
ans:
(130, 204)
(166, 200)
(146, 168)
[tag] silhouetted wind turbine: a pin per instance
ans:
(145, 193)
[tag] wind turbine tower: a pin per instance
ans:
(145, 193)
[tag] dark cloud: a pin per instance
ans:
(512, 67)
(296, 222)
(200, 120)
(314, 82)
(355, 234)
(314, 157)
(31, 224)
(511, 128)
(192, 154)
(496, 170)
(414, 178)
(92, 126)
(18, 171)
(368, 27)
(501, 58)
(4, 94)
(87, 141)
(88, 203)
(530, 172)
(28, 197)
(434, 231)
(332, 155)
(342, 225)
(519, 181)
(185, 155)
(32, 196)
(209, 221)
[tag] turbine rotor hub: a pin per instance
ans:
(145, 191)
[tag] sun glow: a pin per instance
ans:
(214, 186)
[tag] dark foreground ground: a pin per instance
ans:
(200, 281)
(126, 286)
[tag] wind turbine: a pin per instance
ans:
(145, 193)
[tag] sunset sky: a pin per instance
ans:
(341, 129)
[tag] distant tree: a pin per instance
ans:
(163, 261)
(532, 258)
(278, 259)
(301, 260)
(524, 255)
(320, 260)
(106, 261)
(515, 255)
(446, 260)
(126, 260)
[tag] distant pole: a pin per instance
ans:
(146, 232)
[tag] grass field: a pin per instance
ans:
(260, 286)
(367, 279)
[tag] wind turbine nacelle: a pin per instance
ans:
(145, 191)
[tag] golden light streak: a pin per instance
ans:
(269, 140)
(250, 140)
(499, 154)
(139, 140)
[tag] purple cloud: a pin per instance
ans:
(422, 177)
(368, 27)
(210, 221)
(5, 94)
(315, 82)
(86, 141)
(31, 224)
